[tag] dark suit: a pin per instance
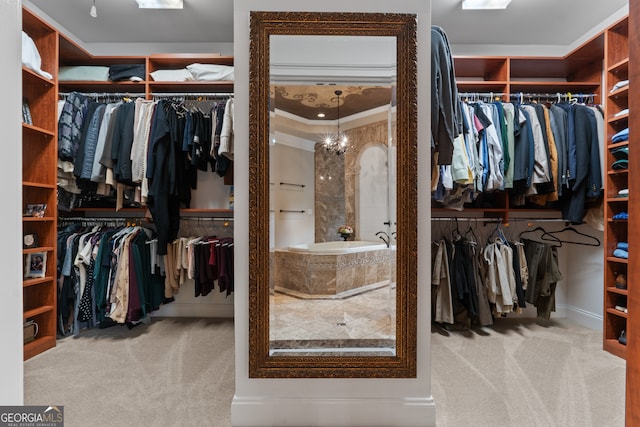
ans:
(588, 179)
(446, 123)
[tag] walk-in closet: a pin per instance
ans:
(322, 214)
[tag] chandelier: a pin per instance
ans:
(338, 142)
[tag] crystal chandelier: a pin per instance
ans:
(338, 142)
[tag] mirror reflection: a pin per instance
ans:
(332, 201)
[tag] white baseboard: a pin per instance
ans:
(584, 318)
(332, 412)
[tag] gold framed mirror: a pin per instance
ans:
(400, 359)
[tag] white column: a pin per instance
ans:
(329, 402)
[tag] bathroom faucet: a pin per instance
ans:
(384, 236)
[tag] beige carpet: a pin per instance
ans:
(180, 373)
(171, 373)
(526, 373)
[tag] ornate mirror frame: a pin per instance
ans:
(403, 28)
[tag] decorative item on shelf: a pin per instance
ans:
(35, 210)
(345, 232)
(30, 241)
(30, 331)
(621, 281)
(338, 142)
(622, 339)
(35, 265)
(26, 113)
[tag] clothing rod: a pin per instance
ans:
(472, 219)
(191, 94)
(537, 220)
(195, 218)
(104, 94)
(553, 95)
(481, 93)
(95, 219)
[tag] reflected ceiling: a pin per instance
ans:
(307, 101)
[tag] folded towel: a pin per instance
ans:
(619, 253)
(623, 245)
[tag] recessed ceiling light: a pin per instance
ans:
(160, 4)
(321, 115)
(485, 4)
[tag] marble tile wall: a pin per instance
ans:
(335, 199)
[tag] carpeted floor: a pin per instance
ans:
(170, 373)
(526, 373)
(180, 372)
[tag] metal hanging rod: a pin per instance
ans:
(500, 220)
(537, 220)
(95, 219)
(195, 218)
(191, 95)
(480, 94)
(291, 211)
(292, 184)
(466, 218)
(557, 95)
(104, 94)
(105, 221)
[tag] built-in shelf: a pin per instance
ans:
(616, 70)
(39, 180)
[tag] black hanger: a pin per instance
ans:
(593, 241)
(550, 237)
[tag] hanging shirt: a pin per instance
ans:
(443, 312)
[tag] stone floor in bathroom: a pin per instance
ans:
(368, 317)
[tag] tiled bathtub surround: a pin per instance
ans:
(320, 275)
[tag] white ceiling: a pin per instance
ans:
(525, 22)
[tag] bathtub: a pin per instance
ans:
(332, 269)
(339, 247)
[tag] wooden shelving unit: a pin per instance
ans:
(616, 70)
(39, 149)
(504, 77)
(39, 157)
(632, 411)
(72, 54)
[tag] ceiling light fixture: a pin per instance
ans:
(160, 4)
(485, 4)
(337, 143)
(93, 12)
